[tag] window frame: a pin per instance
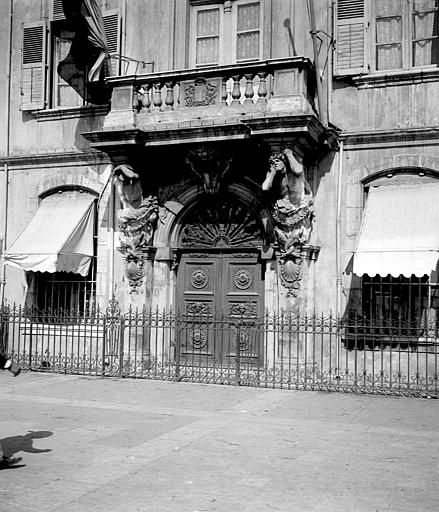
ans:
(228, 34)
(195, 9)
(88, 301)
(430, 283)
(40, 96)
(350, 15)
(55, 81)
(407, 39)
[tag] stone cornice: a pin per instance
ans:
(405, 77)
(391, 138)
(71, 112)
(73, 158)
(269, 126)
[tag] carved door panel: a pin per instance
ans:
(242, 302)
(197, 295)
(220, 299)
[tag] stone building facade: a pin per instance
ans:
(228, 151)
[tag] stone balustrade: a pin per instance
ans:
(279, 85)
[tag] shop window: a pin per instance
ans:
(400, 301)
(225, 33)
(395, 294)
(377, 35)
(64, 294)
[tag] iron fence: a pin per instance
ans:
(314, 352)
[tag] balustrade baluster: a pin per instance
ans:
(146, 98)
(157, 100)
(224, 93)
(249, 91)
(169, 100)
(262, 90)
(236, 90)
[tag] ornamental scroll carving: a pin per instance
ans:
(136, 220)
(293, 213)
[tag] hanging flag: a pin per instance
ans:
(96, 36)
(90, 46)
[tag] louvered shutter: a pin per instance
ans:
(350, 38)
(33, 68)
(111, 20)
(57, 10)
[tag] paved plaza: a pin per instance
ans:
(93, 444)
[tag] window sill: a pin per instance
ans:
(405, 77)
(70, 112)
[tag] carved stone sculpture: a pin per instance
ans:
(136, 219)
(210, 166)
(293, 213)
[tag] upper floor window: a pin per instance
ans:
(68, 83)
(54, 68)
(378, 36)
(225, 33)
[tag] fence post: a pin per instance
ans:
(121, 345)
(177, 345)
(238, 355)
(104, 342)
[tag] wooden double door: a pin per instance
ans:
(220, 305)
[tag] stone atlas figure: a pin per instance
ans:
(136, 219)
(292, 213)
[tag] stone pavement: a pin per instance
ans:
(93, 444)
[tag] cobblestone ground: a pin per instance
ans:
(92, 444)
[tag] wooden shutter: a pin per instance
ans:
(33, 66)
(350, 38)
(112, 28)
(57, 10)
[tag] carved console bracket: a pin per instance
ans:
(137, 220)
(209, 166)
(291, 267)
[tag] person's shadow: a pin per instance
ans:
(14, 444)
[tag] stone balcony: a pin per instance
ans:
(273, 99)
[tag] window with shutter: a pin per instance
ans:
(374, 36)
(33, 69)
(57, 10)
(350, 37)
(112, 26)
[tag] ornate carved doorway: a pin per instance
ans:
(220, 283)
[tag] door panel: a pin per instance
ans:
(197, 306)
(242, 302)
(220, 299)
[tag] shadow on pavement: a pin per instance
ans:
(11, 445)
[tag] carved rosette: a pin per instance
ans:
(243, 278)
